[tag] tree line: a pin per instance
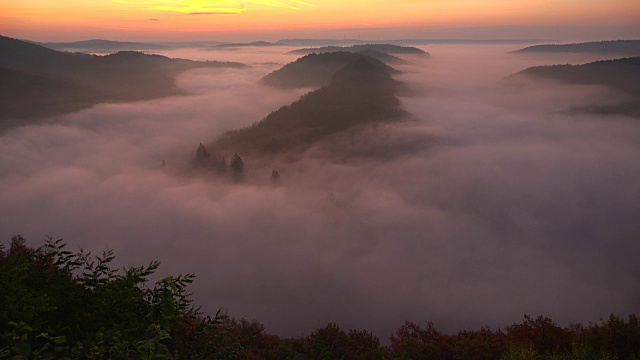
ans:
(59, 304)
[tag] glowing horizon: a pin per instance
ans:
(178, 18)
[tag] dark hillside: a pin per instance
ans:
(316, 69)
(385, 48)
(37, 81)
(362, 92)
(383, 56)
(100, 45)
(30, 95)
(620, 74)
(618, 47)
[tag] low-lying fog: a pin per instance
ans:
(493, 203)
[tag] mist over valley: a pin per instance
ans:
(436, 188)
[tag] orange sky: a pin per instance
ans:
(262, 19)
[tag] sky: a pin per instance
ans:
(45, 20)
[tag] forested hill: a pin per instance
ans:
(384, 48)
(621, 74)
(100, 45)
(316, 70)
(360, 93)
(37, 81)
(617, 47)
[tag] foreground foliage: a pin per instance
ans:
(55, 304)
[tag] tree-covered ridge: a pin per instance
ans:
(104, 46)
(362, 92)
(384, 48)
(618, 47)
(253, 43)
(38, 81)
(383, 56)
(621, 74)
(58, 304)
(315, 70)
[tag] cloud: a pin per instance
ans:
(491, 203)
(303, 3)
(220, 7)
(277, 4)
(213, 13)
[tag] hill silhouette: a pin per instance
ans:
(253, 43)
(316, 70)
(27, 95)
(621, 74)
(100, 45)
(361, 92)
(384, 48)
(383, 56)
(52, 82)
(617, 47)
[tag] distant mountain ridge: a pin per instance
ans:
(100, 45)
(383, 48)
(82, 79)
(106, 46)
(254, 43)
(314, 70)
(618, 47)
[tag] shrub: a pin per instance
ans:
(55, 303)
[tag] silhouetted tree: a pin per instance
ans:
(236, 164)
(275, 176)
(202, 156)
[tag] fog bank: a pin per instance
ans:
(493, 201)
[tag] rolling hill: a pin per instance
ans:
(617, 47)
(315, 70)
(360, 93)
(621, 74)
(384, 48)
(99, 45)
(37, 81)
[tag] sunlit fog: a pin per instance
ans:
(495, 197)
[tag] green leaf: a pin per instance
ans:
(23, 349)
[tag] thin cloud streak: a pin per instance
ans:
(191, 7)
(214, 13)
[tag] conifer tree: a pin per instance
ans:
(202, 156)
(236, 164)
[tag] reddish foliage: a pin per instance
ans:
(542, 333)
